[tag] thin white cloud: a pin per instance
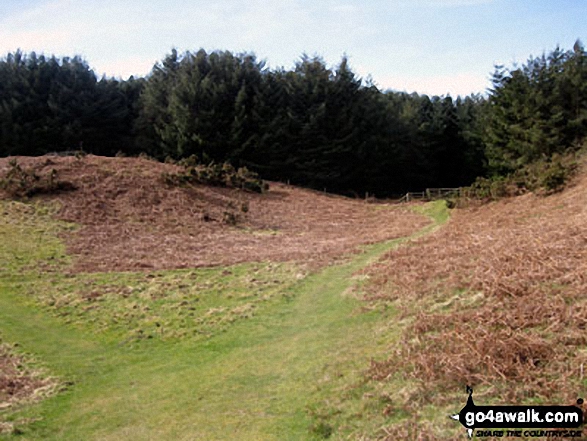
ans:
(123, 38)
(124, 68)
(462, 84)
(108, 30)
(30, 40)
(452, 3)
(111, 35)
(344, 8)
(462, 2)
(31, 30)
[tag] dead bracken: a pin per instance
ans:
(515, 323)
(131, 220)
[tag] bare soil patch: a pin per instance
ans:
(500, 301)
(19, 383)
(130, 219)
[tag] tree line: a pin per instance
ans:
(313, 125)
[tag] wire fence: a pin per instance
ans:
(431, 194)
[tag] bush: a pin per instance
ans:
(487, 188)
(322, 429)
(544, 176)
(219, 175)
(553, 174)
(20, 183)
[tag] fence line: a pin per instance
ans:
(430, 194)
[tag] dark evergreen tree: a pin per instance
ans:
(48, 105)
(314, 125)
(201, 104)
(536, 110)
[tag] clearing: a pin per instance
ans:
(174, 351)
(140, 313)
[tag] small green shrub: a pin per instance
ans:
(190, 161)
(144, 155)
(555, 173)
(487, 188)
(20, 183)
(219, 175)
(451, 203)
(545, 176)
(554, 177)
(231, 216)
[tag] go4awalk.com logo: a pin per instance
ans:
(521, 421)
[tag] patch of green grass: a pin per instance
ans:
(436, 210)
(303, 346)
(164, 305)
(343, 398)
(29, 238)
(253, 381)
(23, 380)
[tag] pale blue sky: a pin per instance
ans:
(427, 46)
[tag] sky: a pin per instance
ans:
(434, 47)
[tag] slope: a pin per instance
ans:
(130, 219)
(183, 353)
(496, 300)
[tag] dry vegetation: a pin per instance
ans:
(19, 383)
(496, 299)
(131, 219)
(515, 322)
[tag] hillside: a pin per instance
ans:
(130, 219)
(496, 300)
(285, 332)
(117, 332)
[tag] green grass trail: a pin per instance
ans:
(256, 381)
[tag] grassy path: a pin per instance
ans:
(254, 382)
